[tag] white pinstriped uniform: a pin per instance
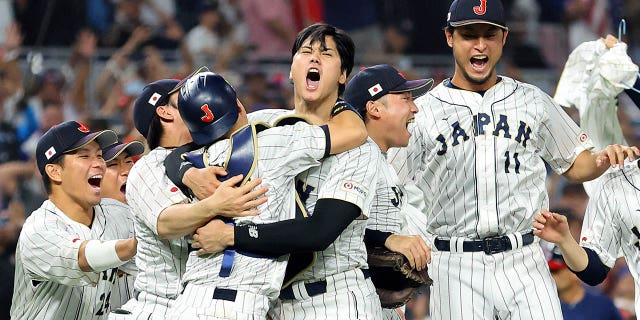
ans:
(349, 176)
(121, 218)
(161, 262)
(611, 225)
(282, 153)
(49, 283)
(478, 162)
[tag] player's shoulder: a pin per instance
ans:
(368, 149)
(47, 216)
(268, 115)
(110, 207)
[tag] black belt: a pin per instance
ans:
(313, 288)
(488, 245)
(225, 294)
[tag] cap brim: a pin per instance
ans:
(132, 148)
(468, 22)
(183, 81)
(417, 87)
(104, 138)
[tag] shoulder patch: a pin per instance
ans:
(354, 187)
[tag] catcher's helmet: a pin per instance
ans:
(207, 104)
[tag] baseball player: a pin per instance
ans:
(253, 283)
(476, 155)
(118, 158)
(162, 214)
(337, 195)
(65, 265)
(385, 98)
(608, 232)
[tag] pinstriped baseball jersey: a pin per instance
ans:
(349, 176)
(282, 153)
(478, 159)
(49, 283)
(386, 214)
(612, 221)
(121, 219)
(161, 262)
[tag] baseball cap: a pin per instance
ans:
(68, 136)
(132, 148)
(183, 81)
(153, 95)
(555, 260)
(374, 82)
(464, 12)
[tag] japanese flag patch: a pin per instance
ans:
(50, 153)
(375, 89)
(154, 98)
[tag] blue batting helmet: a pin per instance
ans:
(207, 104)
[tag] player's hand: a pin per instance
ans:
(203, 182)
(213, 237)
(615, 154)
(551, 226)
(411, 246)
(231, 201)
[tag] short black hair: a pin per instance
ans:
(156, 130)
(344, 44)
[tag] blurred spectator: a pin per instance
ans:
(359, 18)
(418, 307)
(6, 17)
(587, 20)
(204, 40)
(552, 33)
(257, 93)
(235, 32)
(307, 12)
(100, 15)
(50, 23)
(149, 11)
(624, 296)
(574, 198)
(271, 28)
(577, 303)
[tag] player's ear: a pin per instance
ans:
(449, 35)
(166, 112)
(373, 109)
(54, 172)
(504, 36)
(343, 77)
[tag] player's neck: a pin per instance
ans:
(318, 112)
(460, 82)
(81, 213)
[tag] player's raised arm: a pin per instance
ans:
(346, 129)
(589, 165)
(97, 256)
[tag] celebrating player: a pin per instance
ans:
(610, 227)
(337, 194)
(118, 158)
(385, 99)
(64, 269)
(251, 284)
(162, 213)
(476, 155)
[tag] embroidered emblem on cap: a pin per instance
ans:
(50, 153)
(154, 98)
(375, 89)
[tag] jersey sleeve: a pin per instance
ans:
(294, 148)
(562, 139)
(150, 191)
(601, 231)
(50, 253)
(353, 177)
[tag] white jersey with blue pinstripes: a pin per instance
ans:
(611, 225)
(478, 159)
(49, 283)
(282, 153)
(161, 262)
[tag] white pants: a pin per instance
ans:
(349, 296)
(144, 307)
(514, 284)
(197, 302)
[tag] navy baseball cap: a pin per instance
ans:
(556, 260)
(66, 137)
(464, 12)
(132, 148)
(153, 95)
(372, 83)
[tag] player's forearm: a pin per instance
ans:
(97, 255)
(574, 255)
(585, 168)
(179, 220)
(347, 131)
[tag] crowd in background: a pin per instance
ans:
(89, 59)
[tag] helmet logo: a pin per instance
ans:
(83, 127)
(481, 9)
(208, 115)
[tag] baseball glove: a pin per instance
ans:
(394, 278)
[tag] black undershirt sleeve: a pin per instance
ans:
(375, 238)
(595, 272)
(314, 233)
(634, 95)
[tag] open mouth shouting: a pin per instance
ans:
(479, 62)
(313, 78)
(94, 181)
